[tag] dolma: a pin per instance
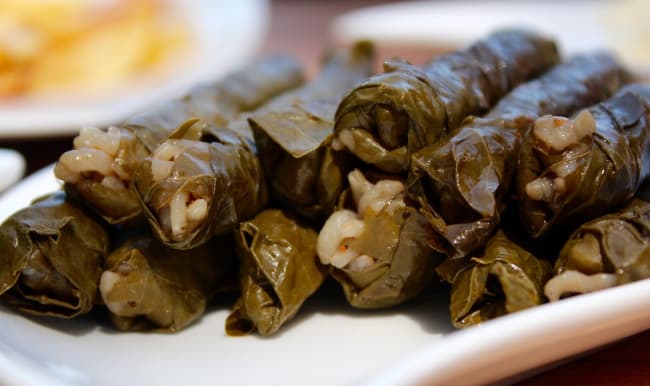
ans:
(389, 116)
(148, 286)
(461, 182)
(376, 244)
(51, 256)
(100, 168)
(279, 270)
(505, 279)
(573, 170)
(293, 132)
(199, 183)
(608, 251)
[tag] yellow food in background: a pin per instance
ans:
(83, 46)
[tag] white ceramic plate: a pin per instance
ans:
(578, 26)
(224, 34)
(12, 168)
(328, 344)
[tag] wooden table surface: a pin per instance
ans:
(302, 28)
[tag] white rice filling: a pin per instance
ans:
(91, 137)
(162, 159)
(558, 134)
(107, 281)
(184, 212)
(576, 282)
(345, 139)
(94, 152)
(344, 226)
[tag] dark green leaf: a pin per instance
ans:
(293, 131)
(51, 256)
(279, 271)
(387, 117)
(604, 170)
(505, 279)
(461, 182)
(148, 285)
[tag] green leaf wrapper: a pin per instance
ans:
(603, 170)
(405, 263)
(147, 285)
(51, 256)
(617, 243)
(293, 132)
(505, 279)
(387, 117)
(220, 168)
(396, 237)
(219, 103)
(279, 270)
(461, 182)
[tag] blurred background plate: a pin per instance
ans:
(222, 35)
(577, 26)
(13, 168)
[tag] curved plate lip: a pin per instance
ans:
(527, 340)
(224, 33)
(13, 167)
(576, 25)
(499, 349)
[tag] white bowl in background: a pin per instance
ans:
(224, 34)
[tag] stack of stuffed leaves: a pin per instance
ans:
(468, 172)
(462, 181)
(100, 168)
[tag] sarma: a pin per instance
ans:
(573, 170)
(505, 279)
(378, 250)
(279, 270)
(51, 256)
(293, 131)
(100, 168)
(387, 117)
(611, 250)
(462, 181)
(147, 285)
(199, 183)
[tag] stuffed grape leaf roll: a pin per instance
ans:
(573, 170)
(462, 181)
(101, 166)
(279, 270)
(147, 285)
(387, 117)
(611, 250)
(377, 244)
(505, 279)
(51, 257)
(199, 183)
